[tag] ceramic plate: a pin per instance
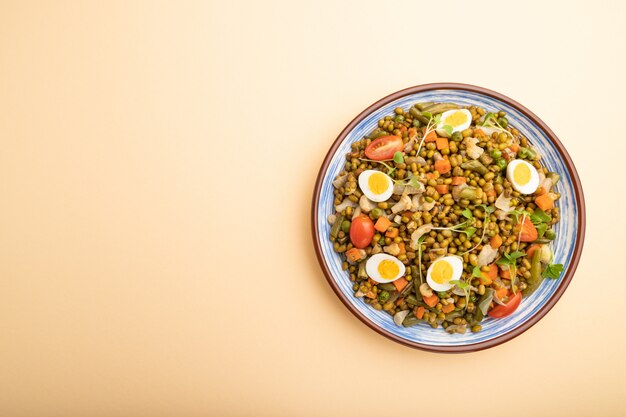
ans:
(567, 246)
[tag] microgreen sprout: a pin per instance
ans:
(491, 120)
(488, 210)
(390, 169)
(419, 256)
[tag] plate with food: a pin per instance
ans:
(448, 217)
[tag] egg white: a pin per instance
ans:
(457, 269)
(460, 127)
(371, 267)
(364, 185)
(528, 188)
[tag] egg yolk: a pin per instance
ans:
(441, 272)
(456, 119)
(521, 174)
(388, 269)
(378, 183)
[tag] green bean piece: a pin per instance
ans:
(376, 213)
(501, 163)
(550, 234)
(535, 274)
(411, 320)
(418, 115)
(496, 154)
(475, 166)
(422, 106)
(440, 107)
(542, 241)
(483, 305)
(387, 286)
(471, 193)
(334, 230)
(411, 299)
(383, 296)
(407, 289)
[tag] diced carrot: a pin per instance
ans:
(400, 283)
(531, 250)
(448, 308)
(514, 147)
(399, 301)
(370, 294)
(382, 224)
(431, 137)
(496, 241)
(371, 281)
(488, 277)
(442, 143)
(458, 180)
(478, 133)
(402, 248)
(355, 254)
(403, 128)
(529, 231)
(505, 273)
(392, 232)
(545, 201)
(431, 301)
(443, 166)
(501, 292)
(431, 176)
(419, 312)
(491, 192)
(412, 132)
(442, 189)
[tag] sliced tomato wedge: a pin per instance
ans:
(529, 231)
(383, 148)
(361, 231)
(499, 311)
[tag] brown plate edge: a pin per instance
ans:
(581, 223)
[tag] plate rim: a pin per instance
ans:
(565, 280)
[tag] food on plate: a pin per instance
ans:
(522, 176)
(384, 268)
(376, 185)
(444, 215)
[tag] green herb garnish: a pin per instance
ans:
(476, 272)
(553, 271)
(510, 259)
(539, 216)
(465, 287)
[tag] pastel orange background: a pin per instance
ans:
(157, 161)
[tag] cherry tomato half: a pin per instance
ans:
(383, 147)
(499, 311)
(361, 232)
